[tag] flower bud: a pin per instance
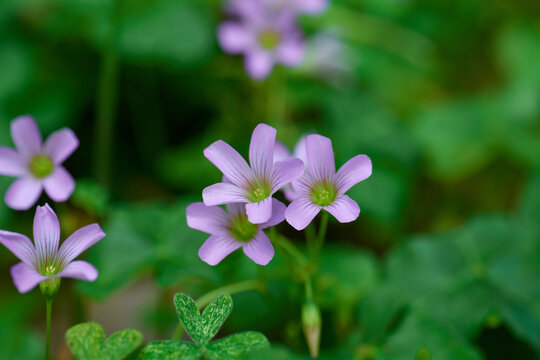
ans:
(423, 354)
(311, 321)
(49, 288)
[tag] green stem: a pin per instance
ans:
(48, 330)
(106, 99)
(231, 289)
(321, 235)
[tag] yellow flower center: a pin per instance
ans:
(323, 194)
(41, 166)
(241, 229)
(269, 39)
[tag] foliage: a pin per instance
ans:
(87, 342)
(202, 328)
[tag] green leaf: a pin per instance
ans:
(236, 346)
(167, 31)
(87, 342)
(189, 315)
(170, 350)
(214, 316)
(202, 328)
(419, 330)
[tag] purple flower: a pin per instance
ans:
(232, 230)
(248, 7)
(264, 36)
(37, 165)
(320, 187)
(253, 185)
(45, 261)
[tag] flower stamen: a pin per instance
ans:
(41, 166)
(323, 194)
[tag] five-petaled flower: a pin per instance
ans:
(253, 185)
(37, 165)
(46, 261)
(264, 34)
(320, 187)
(232, 230)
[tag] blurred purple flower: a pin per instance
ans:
(37, 165)
(263, 35)
(232, 230)
(253, 185)
(281, 152)
(45, 261)
(320, 187)
(248, 7)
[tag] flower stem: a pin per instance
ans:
(106, 99)
(231, 289)
(323, 226)
(48, 329)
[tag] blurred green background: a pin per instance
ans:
(444, 96)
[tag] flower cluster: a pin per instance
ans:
(308, 179)
(38, 167)
(266, 32)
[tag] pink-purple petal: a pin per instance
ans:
(11, 163)
(300, 149)
(301, 212)
(229, 162)
(216, 248)
(61, 144)
(259, 212)
(289, 193)
(235, 209)
(19, 245)
(261, 150)
(59, 185)
(291, 52)
(258, 64)
(311, 6)
(81, 270)
(344, 209)
(285, 172)
(23, 193)
(25, 277)
(320, 158)
(208, 219)
(234, 37)
(302, 185)
(79, 241)
(260, 249)
(46, 233)
(352, 172)
(223, 193)
(26, 135)
(278, 214)
(281, 152)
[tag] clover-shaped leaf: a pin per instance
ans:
(236, 346)
(202, 328)
(87, 342)
(170, 350)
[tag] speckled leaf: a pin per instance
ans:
(236, 346)
(214, 315)
(203, 328)
(189, 315)
(170, 350)
(87, 342)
